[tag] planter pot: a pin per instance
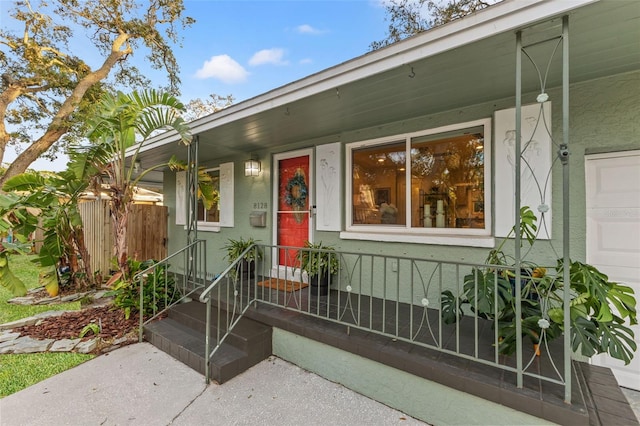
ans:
(319, 284)
(525, 277)
(246, 269)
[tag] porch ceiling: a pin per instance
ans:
(604, 40)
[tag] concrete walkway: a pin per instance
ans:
(140, 385)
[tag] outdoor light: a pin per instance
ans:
(137, 166)
(251, 167)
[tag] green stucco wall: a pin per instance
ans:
(420, 398)
(604, 116)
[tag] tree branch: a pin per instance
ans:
(59, 125)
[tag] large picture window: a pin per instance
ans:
(430, 182)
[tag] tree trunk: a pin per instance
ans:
(120, 219)
(89, 280)
(58, 126)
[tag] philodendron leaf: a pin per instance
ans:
(584, 335)
(604, 314)
(481, 288)
(8, 280)
(528, 226)
(556, 315)
(618, 341)
(622, 298)
(449, 312)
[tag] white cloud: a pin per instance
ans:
(223, 68)
(268, 56)
(308, 29)
(306, 61)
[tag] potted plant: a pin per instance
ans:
(319, 261)
(598, 307)
(235, 248)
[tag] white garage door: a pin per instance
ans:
(613, 235)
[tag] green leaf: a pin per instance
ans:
(585, 336)
(24, 182)
(622, 298)
(556, 315)
(92, 328)
(49, 279)
(604, 313)
(528, 226)
(449, 312)
(483, 300)
(618, 341)
(8, 280)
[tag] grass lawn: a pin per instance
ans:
(27, 271)
(20, 371)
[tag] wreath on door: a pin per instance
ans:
(296, 193)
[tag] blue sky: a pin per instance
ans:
(245, 48)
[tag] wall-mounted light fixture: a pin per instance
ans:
(251, 167)
(137, 166)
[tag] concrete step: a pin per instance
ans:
(248, 335)
(181, 335)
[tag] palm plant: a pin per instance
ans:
(121, 125)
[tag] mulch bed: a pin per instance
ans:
(70, 324)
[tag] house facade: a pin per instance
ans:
(411, 150)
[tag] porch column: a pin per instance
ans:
(192, 209)
(563, 156)
(518, 219)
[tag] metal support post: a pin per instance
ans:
(192, 210)
(563, 154)
(517, 254)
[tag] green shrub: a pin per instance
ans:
(159, 290)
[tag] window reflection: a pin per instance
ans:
(379, 184)
(446, 181)
(213, 214)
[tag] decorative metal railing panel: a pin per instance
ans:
(458, 308)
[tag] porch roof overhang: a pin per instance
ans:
(463, 63)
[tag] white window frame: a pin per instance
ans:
(406, 233)
(203, 225)
(226, 193)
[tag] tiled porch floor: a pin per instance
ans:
(316, 319)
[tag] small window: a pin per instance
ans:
(221, 214)
(431, 182)
(212, 215)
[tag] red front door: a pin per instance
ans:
(293, 205)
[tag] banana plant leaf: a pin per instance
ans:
(8, 280)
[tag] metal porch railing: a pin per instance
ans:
(399, 297)
(166, 283)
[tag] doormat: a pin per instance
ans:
(282, 285)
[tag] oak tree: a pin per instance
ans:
(46, 88)
(197, 108)
(410, 17)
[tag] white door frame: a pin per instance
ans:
(276, 269)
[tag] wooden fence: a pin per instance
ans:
(146, 233)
